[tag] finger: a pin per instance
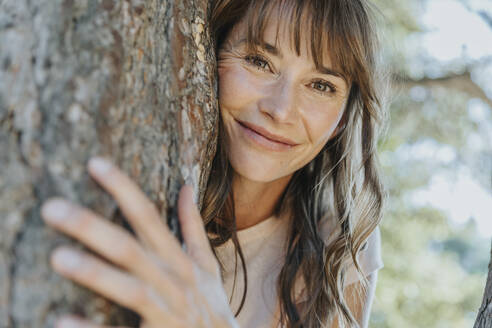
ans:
(111, 282)
(109, 240)
(193, 229)
(78, 322)
(137, 208)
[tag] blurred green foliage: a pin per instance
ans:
(435, 271)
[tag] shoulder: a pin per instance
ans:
(369, 257)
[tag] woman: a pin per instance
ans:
(294, 188)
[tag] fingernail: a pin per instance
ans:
(66, 259)
(55, 210)
(67, 322)
(99, 165)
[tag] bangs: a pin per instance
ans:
(325, 21)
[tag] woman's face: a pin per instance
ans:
(293, 107)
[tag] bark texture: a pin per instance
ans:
(130, 80)
(484, 318)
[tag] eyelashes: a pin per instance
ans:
(329, 88)
(254, 59)
(260, 63)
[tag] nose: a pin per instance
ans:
(278, 101)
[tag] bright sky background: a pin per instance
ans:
(457, 33)
(460, 198)
(454, 30)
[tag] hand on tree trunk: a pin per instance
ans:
(152, 275)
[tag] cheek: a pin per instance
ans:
(236, 89)
(226, 84)
(321, 124)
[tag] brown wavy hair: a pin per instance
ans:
(341, 183)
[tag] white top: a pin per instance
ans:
(264, 253)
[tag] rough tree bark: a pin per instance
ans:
(127, 79)
(484, 318)
(130, 80)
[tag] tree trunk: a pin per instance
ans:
(129, 80)
(484, 318)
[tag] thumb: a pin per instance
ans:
(193, 229)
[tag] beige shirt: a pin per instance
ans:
(263, 249)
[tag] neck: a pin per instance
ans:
(255, 201)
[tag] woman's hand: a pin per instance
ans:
(153, 276)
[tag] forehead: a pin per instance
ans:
(288, 25)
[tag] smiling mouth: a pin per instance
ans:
(265, 133)
(262, 140)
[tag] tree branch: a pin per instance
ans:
(460, 82)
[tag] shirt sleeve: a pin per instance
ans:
(369, 259)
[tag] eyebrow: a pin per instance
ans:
(276, 52)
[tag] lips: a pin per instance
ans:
(264, 133)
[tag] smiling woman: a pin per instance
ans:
(277, 94)
(294, 188)
(296, 175)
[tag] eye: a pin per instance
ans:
(323, 87)
(257, 62)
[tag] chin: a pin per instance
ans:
(257, 168)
